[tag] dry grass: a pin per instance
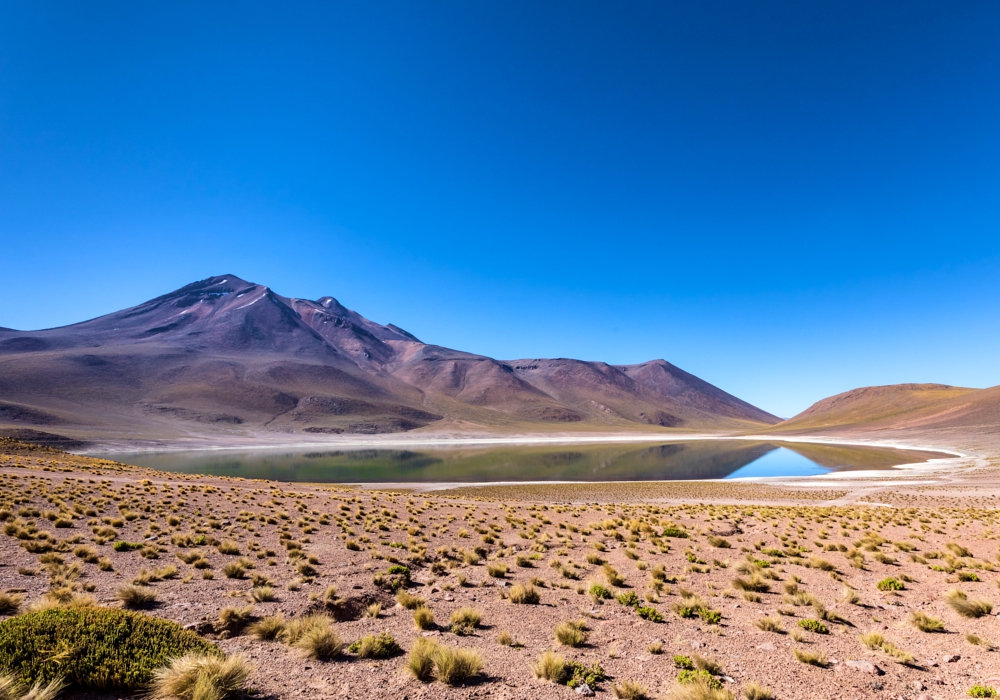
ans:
(524, 594)
(201, 677)
(960, 603)
(136, 597)
(551, 667)
(925, 623)
(571, 634)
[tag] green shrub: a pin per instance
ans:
(599, 592)
(890, 584)
(683, 662)
(112, 649)
(689, 677)
(814, 626)
(648, 613)
(674, 531)
(982, 691)
(629, 599)
(122, 546)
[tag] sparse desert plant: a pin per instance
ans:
(598, 593)
(497, 570)
(982, 691)
(630, 690)
(233, 619)
(423, 618)
(373, 610)
(755, 691)
(421, 662)
(980, 642)
(409, 601)
(813, 658)
(814, 626)
(769, 624)
(755, 583)
(571, 634)
(314, 635)
(465, 620)
(113, 649)
(613, 577)
(268, 628)
(200, 677)
(375, 646)
(12, 689)
(10, 603)
(524, 594)
(234, 569)
(960, 603)
(263, 594)
(552, 667)
(925, 623)
(456, 666)
(505, 638)
(890, 584)
(136, 597)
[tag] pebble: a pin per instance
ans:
(584, 690)
(863, 666)
(950, 658)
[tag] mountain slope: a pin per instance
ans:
(898, 407)
(226, 355)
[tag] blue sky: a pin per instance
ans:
(787, 199)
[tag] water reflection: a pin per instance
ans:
(696, 459)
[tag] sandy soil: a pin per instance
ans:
(818, 546)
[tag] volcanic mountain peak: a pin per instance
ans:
(226, 352)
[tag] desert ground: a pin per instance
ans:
(870, 584)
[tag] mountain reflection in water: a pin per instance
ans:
(695, 459)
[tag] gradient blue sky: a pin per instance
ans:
(788, 199)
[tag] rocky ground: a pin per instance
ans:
(811, 592)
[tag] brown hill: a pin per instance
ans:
(226, 355)
(898, 407)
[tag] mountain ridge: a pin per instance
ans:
(225, 354)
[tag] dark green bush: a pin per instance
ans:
(122, 546)
(100, 648)
(674, 531)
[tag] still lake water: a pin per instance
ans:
(695, 459)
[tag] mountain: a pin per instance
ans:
(226, 355)
(899, 407)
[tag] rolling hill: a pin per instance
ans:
(224, 355)
(898, 407)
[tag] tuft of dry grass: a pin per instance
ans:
(960, 603)
(755, 691)
(268, 628)
(465, 620)
(925, 623)
(571, 634)
(10, 603)
(201, 677)
(524, 594)
(813, 658)
(770, 624)
(552, 667)
(136, 597)
(630, 690)
(314, 635)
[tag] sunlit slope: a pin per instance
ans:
(898, 407)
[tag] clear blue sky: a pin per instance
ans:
(789, 199)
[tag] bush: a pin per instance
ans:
(813, 658)
(754, 691)
(233, 619)
(890, 584)
(122, 546)
(381, 646)
(599, 592)
(315, 635)
(113, 649)
(769, 624)
(699, 677)
(683, 662)
(524, 594)
(629, 599)
(648, 613)
(755, 583)
(814, 626)
(200, 677)
(982, 691)
(674, 531)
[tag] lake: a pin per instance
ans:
(694, 459)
